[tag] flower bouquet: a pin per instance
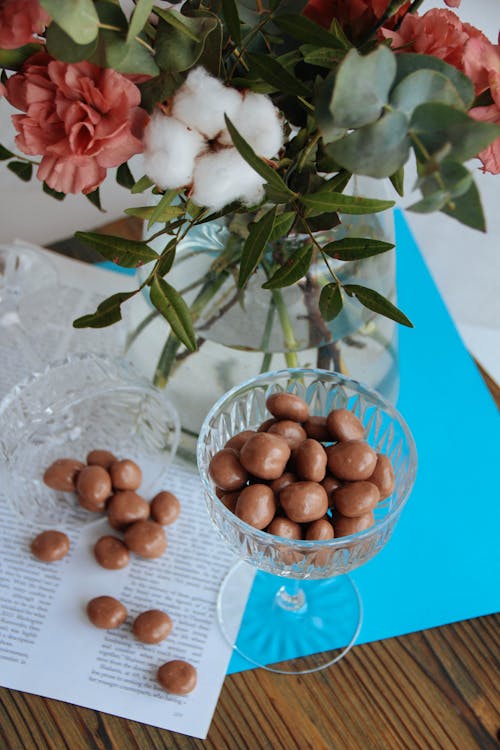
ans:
(255, 114)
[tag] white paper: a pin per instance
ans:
(49, 647)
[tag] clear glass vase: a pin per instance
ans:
(244, 332)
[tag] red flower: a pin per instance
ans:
(356, 17)
(20, 21)
(80, 118)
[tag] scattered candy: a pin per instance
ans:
(50, 546)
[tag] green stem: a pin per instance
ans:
(286, 326)
(266, 360)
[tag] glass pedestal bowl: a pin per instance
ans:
(305, 611)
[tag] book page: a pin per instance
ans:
(49, 647)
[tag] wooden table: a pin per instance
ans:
(435, 690)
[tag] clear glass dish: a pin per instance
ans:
(304, 589)
(70, 407)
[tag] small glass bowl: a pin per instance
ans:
(71, 407)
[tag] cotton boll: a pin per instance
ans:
(170, 150)
(258, 121)
(202, 101)
(224, 176)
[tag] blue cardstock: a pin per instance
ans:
(442, 563)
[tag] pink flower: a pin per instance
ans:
(438, 32)
(452, 3)
(80, 118)
(356, 16)
(482, 64)
(20, 21)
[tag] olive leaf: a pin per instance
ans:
(376, 302)
(175, 311)
(255, 244)
(293, 269)
(330, 301)
(125, 253)
(107, 313)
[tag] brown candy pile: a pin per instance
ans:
(300, 476)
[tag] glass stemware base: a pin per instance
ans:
(290, 626)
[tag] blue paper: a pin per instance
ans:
(442, 562)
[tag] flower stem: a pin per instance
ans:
(286, 326)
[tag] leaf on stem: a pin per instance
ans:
(175, 311)
(126, 253)
(230, 12)
(301, 28)
(23, 169)
(107, 313)
(124, 176)
(294, 269)
(356, 248)
(324, 200)
(255, 243)
(330, 301)
(271, 71)
(78, 18)
(139, 18)
(376, 302)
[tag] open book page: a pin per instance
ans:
(49, 647)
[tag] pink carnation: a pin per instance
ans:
(482, 64)
(80, 118)
(19, 22)
(438, 32)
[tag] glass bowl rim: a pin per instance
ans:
(303, 545)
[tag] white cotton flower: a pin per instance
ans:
(202, 101)
(224, 176)
(170, 150)
(258, 121)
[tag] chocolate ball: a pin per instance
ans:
(106, 612)
(101, 458)
(344, 425)
(304, 501)
(125, 475)
(50, 546)
(310, 461)
(178, 677)
(356, 498)
(237, 441)
(344, 526)
(226, 470)
(352, 460)
(288, 406)
(383, 476)
(165, 508)
(265, 455)
(256, 505)
(126, 507)
(152, 626)
(317, 429)
(282, 526)
(93, 486)
(61, 475)
(146, 539)
(291, 431)
(320, 530)
(111, 553)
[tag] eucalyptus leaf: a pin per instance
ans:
(432, 202)
(323, 115)
(255, 244)
(107, 313)
(398, 180)
(346, 204)
(293, 269)
(424, 86)
(175, 311)
(159, 88)
(180, 44)
(23, 169)
(63, 47)
(78, 18)
(270, 70)
(123, 252)
(356, 248)
(409, 62)
(376, 150)
(330, 301)
(124, 176)
(452, 177)
(126, 57)
(376, 302)
(467, 209)
(13, 59)
(139, 17)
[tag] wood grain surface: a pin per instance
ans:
(433, 690)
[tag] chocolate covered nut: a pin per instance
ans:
(92, 507)
(146, 539)
(288, 406)
(383, 476)
(165, 508)
(320, 530)
(152, 626)
(178, 677)
(265, 456)
(330, 484)
(50, 546)
(125, 475)
(229, 500)
(304, 501)
(310, 461)
(126, 507)
(344, 526)
(106, 612)
(61, 474)
(266, 424)
(344, 425)
(101, 458)
(93, 486)
(281, 526)
(292, 432)
(256, 505)
(317, 429)
(111, 553)
(283, 481)
(351, 460)
(226, 470)
(238, 440)
(356, 498)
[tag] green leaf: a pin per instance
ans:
(282, 225)
(180, 40)
(398, 180)
(294, 268)
(142, 184)
(362, 87)
(107, 313)
(167, 258)
(22, 169)
(126, 253)
(13, 59)
(324, 57)
(159, 88)
(424, 86)
(346, 204)
(63, 47)
(432, 202)
(124, 176)
(436, 125)
(175, 311)
(179, 22)
(376, 302)
(53, 193)
(468, 210)
(232, 19)
(160, 208)
(409, 62)
(5, 153)
(255, 243)
(78, 18)
(330, 301)
(323, 115)
(376, 150)
(139, 18)
(146, 212)
(356, 248)
(258, 164)
(211, 57)
(95, 198)
(301, 28)
(270, 70)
